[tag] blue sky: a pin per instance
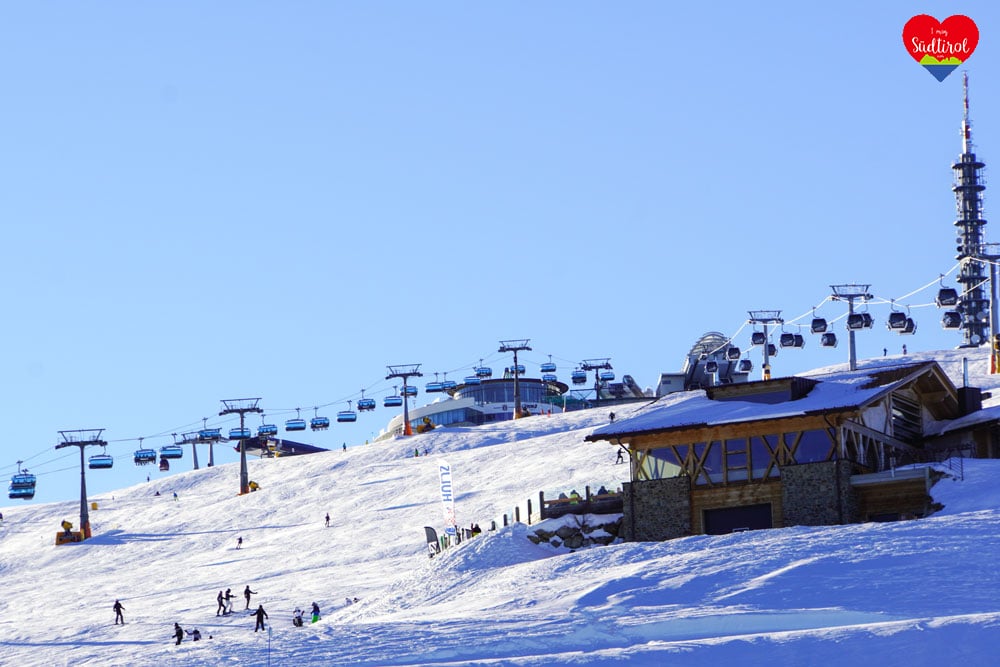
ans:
(278, 200)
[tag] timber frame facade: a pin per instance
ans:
(816, 450)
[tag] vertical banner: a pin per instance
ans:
(447, 499)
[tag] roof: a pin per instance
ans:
(836, 391)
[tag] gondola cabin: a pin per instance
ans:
(22, 487)
(772, 350)
(347, 416)
(745, 366)
(550, 377)
(267, 430)
(472, 380)
(448, 385)
(799, 340)
(578, 377)
(711, 366)
(818, 325)
(910, 327)
(758, 338)
(366, 404)
(144, 456)
(210, 435)
(733, 353)
(172, 451)
(951, 319)
(484, 372)
(607, 376)
(548, 367)
(786, 340)
(897, 320)
(519, 369)
(947, 297)
(236, 434)
(393, 401)
(433, 387)
(164, 464)
(829, 339)
(409, 390)
(100, 462)
(867, 321)
(855, 321)
(295, 424)
(320, 423)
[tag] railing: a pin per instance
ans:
(603, 503)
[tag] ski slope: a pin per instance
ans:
(912, 593)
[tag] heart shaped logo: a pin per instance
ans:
(940, 46)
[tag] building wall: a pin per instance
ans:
(656, 510)
(818, 494)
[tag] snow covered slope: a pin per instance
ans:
(922, 592)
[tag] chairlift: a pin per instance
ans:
(297, 424)
(484, 372)
(758, 338)
(234, 434)
(22, 485)
(579, 376)
(548, 367)
(828, 339)
(207, 435)
(447, 385)
(393, 401)
(144, 456)
(409, 390)
(164, 464)
(267, 430)
(818, 325)
(100, 462)
(951, 319)
(519, 370)
(786, 340)
(433, 387)
(173, 451)
(472, 380)
(855, 321)
(550, 377)
(319, 423)
(745, 366)
(366, 404)
(347, 416)
(606, 376)
(946, 297)
(732, 353)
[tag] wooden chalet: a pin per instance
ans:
(814, 450)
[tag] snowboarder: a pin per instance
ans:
(239, 541)
(327, 519)
(261, 615)
(179, 633)
(297, 618)
(247, 593)
(315, 612)
(118, 612)
(196, 635)
(222, 604)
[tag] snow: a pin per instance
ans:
(911, 593)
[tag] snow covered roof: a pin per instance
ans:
(834, 391)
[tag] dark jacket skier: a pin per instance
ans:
(118, 612)
(222, 604)
(247, 593)
(261, 615)
(179, 633)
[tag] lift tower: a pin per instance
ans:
(83, 438)
(515, 346)
(405, 371)
(765, 317)
(241, 406)
(596, 365)
(849, 293)
(971, 252)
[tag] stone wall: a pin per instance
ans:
(656, 510)
(579, 531)
(819, 494)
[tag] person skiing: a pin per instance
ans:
(315, 612)
(228, 597)
(118, 612)
(261, 615)
(297, 618)
(247, 593)
(222, 604)
(327, 519)
(179, 633)
(239, 541)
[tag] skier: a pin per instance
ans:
(297, 618)
(239, 541)
(315, 612)
(261, 615)
(175, 495)
(621, 456)
(327, 519)
(247, 593)
(179, 633)
(222, 604)
(228, 597)
(118, 612)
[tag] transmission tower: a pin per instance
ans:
(241, 406)
(405, 371)
(83, 438)
(765, 317)
(515, 346)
